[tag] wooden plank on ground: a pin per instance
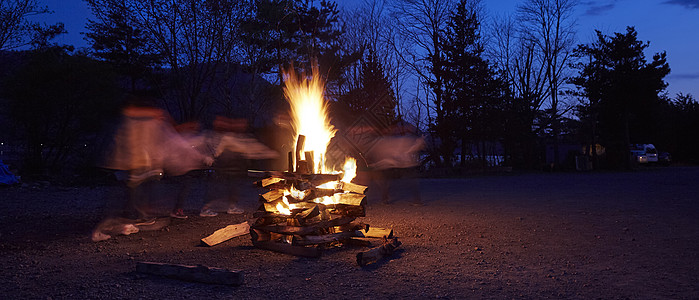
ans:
(226, 233)
(375, 254)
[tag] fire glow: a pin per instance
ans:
(310, 206)
(309, 114)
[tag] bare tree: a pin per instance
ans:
(549, 26)
(419, 25)
(196, 39)
(369, 28)
(16, 30)
(516, 58)
(197, 43)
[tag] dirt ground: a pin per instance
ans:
(544, 235)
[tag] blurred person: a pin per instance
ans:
(145, 147)
(190, 132)
(230, 148)
(395, 156)
(135, 152)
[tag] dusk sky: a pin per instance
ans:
(669, 25)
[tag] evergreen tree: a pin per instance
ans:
(472, 95)
(374, 98)
(623, 91)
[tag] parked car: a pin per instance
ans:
(644, 153)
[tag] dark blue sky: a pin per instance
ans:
(669, 25)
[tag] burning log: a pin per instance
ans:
(191, 273)
(226, 233)
(374, 254)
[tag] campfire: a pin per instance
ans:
(311, 206)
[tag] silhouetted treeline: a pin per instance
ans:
(485, 92)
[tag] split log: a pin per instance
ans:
(270, 181)
(307, 228)
(354, 188)
(272, 206)
(326, 238)
(320, 192)
(310, 163)
(375, 232)
(351, 199)
(272, 195)
(264, 218)
(259, 235)
(374, 254)
(191, 273)
(300, 143)
(347, 210)
(308, 213)
(288, 249)
(318, 179)
(351, 227)
(226, 233)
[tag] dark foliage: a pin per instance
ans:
(623, 92)
(60, 102)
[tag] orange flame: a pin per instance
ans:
(309, 113)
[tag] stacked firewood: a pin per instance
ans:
(304, 212)
(293, 218)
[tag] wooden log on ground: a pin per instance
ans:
(375, 232)
(226, 233)
(375, 254)
(288, 249)
(191, 273)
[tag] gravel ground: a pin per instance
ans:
(562, 235)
